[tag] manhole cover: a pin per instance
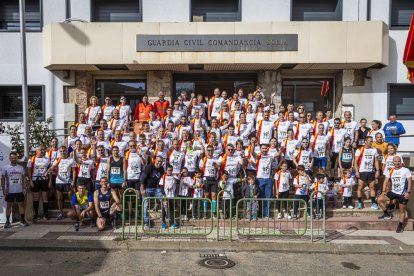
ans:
(350, 266)
(217, 263)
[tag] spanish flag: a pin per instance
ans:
(408, 59)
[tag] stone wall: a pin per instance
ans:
(82, 91)
(271, 81)
(159, 81)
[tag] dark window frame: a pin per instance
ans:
(394, 110)
(341, 11)
(140, 15)
(16, 91)
(239, 12)
(396, 27)
(27, 30)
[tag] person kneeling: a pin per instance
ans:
(82, 202)
(102, 200)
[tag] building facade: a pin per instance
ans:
(132, 48)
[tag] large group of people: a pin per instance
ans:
(242, 144)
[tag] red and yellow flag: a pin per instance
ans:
(408, 59)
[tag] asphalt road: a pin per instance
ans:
(22, 262)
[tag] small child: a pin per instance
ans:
(249, 191)
(331, 194)
(347, 182)
(320, 187)
(168, 182)
(185, 184)
(283, 180)
(227, 186)
(301, 183)
(198, 192)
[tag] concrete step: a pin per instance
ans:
(351, 213)
(364, 223)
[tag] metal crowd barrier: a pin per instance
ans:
(183, 216)
(227, 214)
(130, 196)
(252, 221)
(320, 210)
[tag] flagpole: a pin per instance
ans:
(25, 98)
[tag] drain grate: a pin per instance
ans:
(350, 266)
(217, 263)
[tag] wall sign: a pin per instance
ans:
(217, 43)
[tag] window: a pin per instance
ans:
(11, 105)
(316, 10)
(401, 11)
(401, 101)
(10, 15)
(132, 90)
(215, 10)
(116, 11)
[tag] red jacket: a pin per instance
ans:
(161, 108)
(142, 111)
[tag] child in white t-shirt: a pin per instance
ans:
(186, 182)
(347, 183)
(198, 193)
(331, 195)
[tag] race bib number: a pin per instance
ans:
(84, 168)
(104, 204)
(321, 151)
(347, 156)
(283, 134)
(115, 170)
(15, 181)
(41, 169)
(266, 134)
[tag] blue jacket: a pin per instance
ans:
(398, 127)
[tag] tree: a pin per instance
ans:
(39, 131)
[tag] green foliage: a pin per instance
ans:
(39, 131)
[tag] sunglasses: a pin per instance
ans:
(210, 150)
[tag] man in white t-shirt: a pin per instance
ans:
(400, 180)
(367, 169)
(14, 185)
(350, 126)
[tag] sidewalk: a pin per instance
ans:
(63, 237)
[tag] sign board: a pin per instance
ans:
(217, 43)
(4, 160)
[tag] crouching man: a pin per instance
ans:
(107, 205)
(82, 202)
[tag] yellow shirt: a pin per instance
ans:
(382, 148)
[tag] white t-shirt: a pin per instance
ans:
(122, 145)
(191, 160)
(303, 182)
(388, 160)
(135, 164)
(282, 128)
(302, 131)
(186, 182)
(124, 111)
(14, 178)
(231, 164)
(282, 180)
(40, 166)
(305, 157)
(320, 143)
(319, 187)
(372, 133)
(367, 162)
(264, 165)
(398, 177)
(198, 191)
(176, 160)
(265, 131)
(101, 167)
(244, 130)
(107, 112)
(215, 103)
(289, 148)
(206, 164)
(81, 129)
(168, 182)
(350, 128)
(91, 113)
(347, 184)
(64, 170)
(338, 138)
(85, 168)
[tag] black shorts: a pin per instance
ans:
(134, 184)
(14, 197)
(290, 164)
(40, 185)
(400, 198)
(334, 159)
(211, 186)
(63, 188)
(367, 176)
(116, 186)
(346, 165)
(53, 180)
(87, 182)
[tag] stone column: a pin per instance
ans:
(82, 91)
(271, 82)
(159, 81)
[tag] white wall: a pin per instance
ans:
(166, 11)
(265, 10)
(380, 10)
(354, 10)
(80, 9)
(54, 11)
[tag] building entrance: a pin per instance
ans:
(205, 84)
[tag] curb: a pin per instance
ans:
(197, 246)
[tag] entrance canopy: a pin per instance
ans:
(235, 46)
